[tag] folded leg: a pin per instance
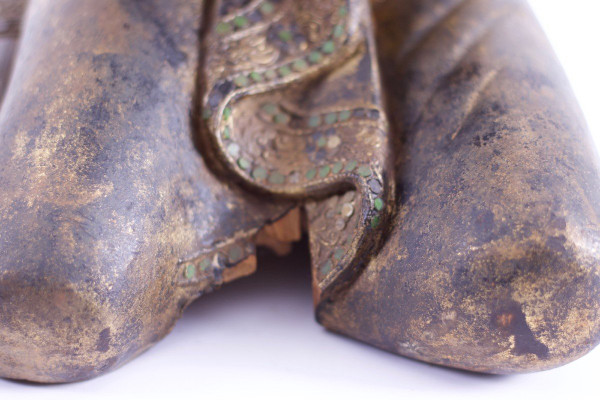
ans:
(492, 262)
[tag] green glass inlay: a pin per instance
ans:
(311, 173)
(344, 115)
(343, 11)
(243, 163)
(351, 165)
(364, 171)
(204, 264)
(235, 254)
(284, 71)
(267, 8)
(223, 28)
(190, 271)
(375, 222)
(339, 253)
(281, 118)
(240, 21)
(331, 118)
(285, 35)
(276, 178)
(270, 108)
(206, 113)
(321, 142)
(233, 149)
(256, 77)
(314, 121)
(300, 65)
(324, 171)
(337, 167)
(226, 113)
(226, 133)
(240, 81)
(338, 31)
(315, 57)
(259, 173)
(270, 74)
(326, 268)
(328, 47)
(378, 204)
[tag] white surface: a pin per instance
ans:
(257, 338)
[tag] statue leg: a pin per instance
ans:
(492, 261)
(110, 220)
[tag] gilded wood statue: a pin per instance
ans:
(431, 150)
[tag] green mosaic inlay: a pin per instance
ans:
(223, 28)
(240, 81)
(364, 171)
(314, 121)
(267, 8)
(344, 115)
(259, 173)
(338, 31)
(235, 254)
(328, 47)
(351, 165)
(256, 77)
(324, 171)
(315, 57)
(300, 65)
(204, 264)
(270, 108)
(338, 254)
(281, 118)
(276, 178)
(244, 163)
(206, 113)
(331, 118)
(326, 268)
(240, 21)
(343, 11)
(375, 222)
(337, 167)
(190, 271)
(226, 133)
(378, 204)
(285, 35)
(226, 113)
(321, 142)
(284, 71)
(311, 173)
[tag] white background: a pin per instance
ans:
(257, 338)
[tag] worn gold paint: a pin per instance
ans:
(119, 204)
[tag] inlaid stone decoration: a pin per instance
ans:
(431, 150)
(278, 132)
